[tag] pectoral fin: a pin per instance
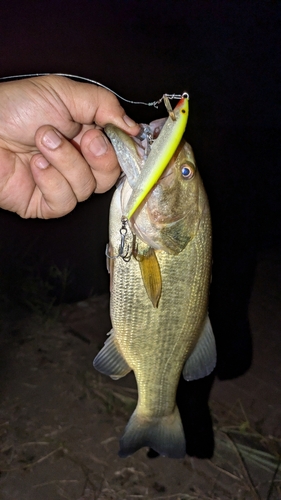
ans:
(151, 275)
(203, 359)
(110, 361)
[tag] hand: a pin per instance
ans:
(52, 149)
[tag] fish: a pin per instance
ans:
(160, 270)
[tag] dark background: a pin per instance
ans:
(227, 56)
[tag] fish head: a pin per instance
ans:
(169, 216)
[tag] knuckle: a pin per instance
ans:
(87, 189)
(61, 208)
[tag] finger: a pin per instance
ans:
(109, 110)
(100, 155)
(67, 160)
(53, 196)
(88, 103)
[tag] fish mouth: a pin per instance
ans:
(148, 222)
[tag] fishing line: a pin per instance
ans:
(82, 78)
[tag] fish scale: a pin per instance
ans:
(139, 336)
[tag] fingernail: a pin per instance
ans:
(98, 146)
(51, 139)
(129, 121)
(41, 162)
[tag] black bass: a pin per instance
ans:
(160, 278)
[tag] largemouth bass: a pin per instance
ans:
(159, 293)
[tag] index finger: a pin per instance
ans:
(88, 103)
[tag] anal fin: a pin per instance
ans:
(203, 358)
(110, 361)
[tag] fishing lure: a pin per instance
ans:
(162, 150)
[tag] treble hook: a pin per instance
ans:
(145, 134)
(123, 231)
(123, 250)
(169, 107)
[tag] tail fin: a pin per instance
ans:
(164, 434)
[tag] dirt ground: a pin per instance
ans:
(60, 421)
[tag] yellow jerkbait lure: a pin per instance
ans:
(161, 153)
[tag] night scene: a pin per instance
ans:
(140, 271)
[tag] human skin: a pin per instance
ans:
(53, 152)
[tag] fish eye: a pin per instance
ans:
(187, 171)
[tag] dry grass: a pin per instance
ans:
(246, 464)
(243, 455)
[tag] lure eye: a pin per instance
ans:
(187, 171)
